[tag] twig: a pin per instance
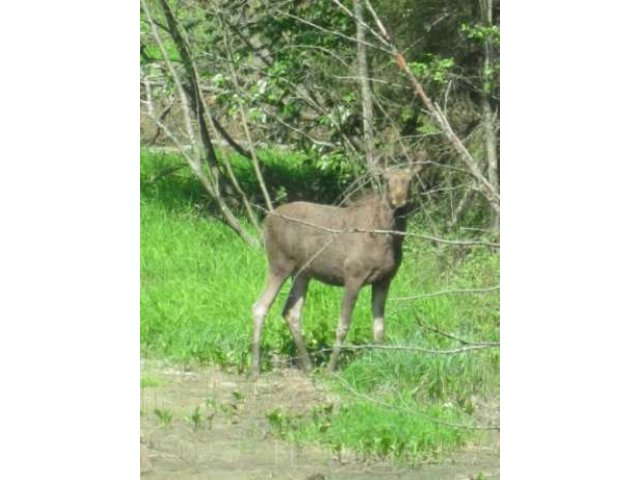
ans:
(446, 292)
(314, 256)
(454, 351)
(382, 232)
(359, 21)
(321, 49)
(451, 336)
(243, 117)
(331, 32)
(315, 141)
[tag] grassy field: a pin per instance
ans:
(198, 282)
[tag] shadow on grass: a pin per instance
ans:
(165, 178)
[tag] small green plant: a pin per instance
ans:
(164, 415)
(321, 417)
(285, 425)
(149, 382)
(196, 419)
(237, 396)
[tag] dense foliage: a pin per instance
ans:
(291, 68)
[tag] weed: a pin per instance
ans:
(195, 419)
(150, 382)
(164, 415)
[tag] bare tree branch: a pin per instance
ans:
(243, 117)
(486, 187)
(384, 232)
(331, 32)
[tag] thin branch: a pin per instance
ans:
(446, 292)
(321, 49)
(184, 104)
(422, 322)
(315, 141)
(236, 185)
(243, 117)
(331, 32)
(314, 256)
(382, 232)
(427, 351)
(369, 79)
(169, 134)
(360, 21)
(488, 190)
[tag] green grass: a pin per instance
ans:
(147, 381)
(199, 280)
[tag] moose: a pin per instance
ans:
(350, 246)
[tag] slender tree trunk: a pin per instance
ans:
(365, 86)
(488, 115)
(211, 178)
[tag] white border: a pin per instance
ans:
(69, 252)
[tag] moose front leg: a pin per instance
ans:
(348, 302)
(379, 291)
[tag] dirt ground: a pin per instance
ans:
(229, 437)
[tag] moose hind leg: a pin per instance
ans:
(348, 302)
(260, 309)
(293, 313)
(379, 293)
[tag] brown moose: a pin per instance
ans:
(337, 246)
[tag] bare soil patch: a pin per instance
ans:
(230, 437)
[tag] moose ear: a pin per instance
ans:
(417, 168)
(379, 164)
(420, 160)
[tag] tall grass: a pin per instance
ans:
(198, 282)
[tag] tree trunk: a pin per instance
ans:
(488, 115)
(365, 86)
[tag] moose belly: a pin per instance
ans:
(358, 267)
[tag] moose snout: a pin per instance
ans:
(398, 202)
